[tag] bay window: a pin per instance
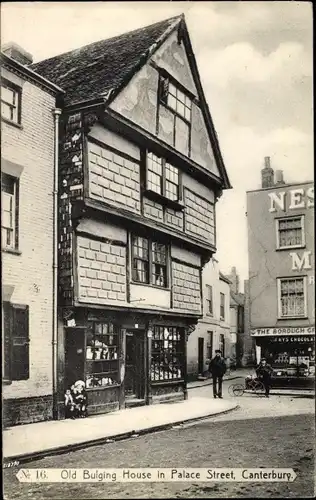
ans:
(163, 178)
(149, 262)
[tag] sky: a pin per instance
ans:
(255, 63)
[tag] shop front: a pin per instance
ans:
(290, 352)
(125, 359)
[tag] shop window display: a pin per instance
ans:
(291, 359)
(167, 352)
(101, 355)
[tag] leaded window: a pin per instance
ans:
(167, 353)
(162, 177)
(178, 106)
(140, 262)
(292, 297)
(291, 232)
(154, 173)
(174, 98)
(149, 255)
(159, 264)
(101, 355)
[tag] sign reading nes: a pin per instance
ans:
(297, 198)
(292, 200)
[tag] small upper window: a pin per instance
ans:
(178, 107)
(290, 232)
(222, 306)
(175, 99)
(209, 299)
(9, 211)
(10, 102)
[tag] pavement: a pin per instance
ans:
(232, 375)
(239, 376)
(32, 441)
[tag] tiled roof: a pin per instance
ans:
(93, 70)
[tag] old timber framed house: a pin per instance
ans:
(140, 173)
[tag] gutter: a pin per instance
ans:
(27, 71)
(56, 113)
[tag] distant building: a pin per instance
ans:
(213, 330)
(281, 273)
(28, 136)
(241, 341)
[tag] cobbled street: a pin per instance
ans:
(275, 432)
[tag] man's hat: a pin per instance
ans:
(217, 350)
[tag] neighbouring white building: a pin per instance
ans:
(213, 330)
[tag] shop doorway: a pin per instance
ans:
(135, 366)
(74, 356)
(200, 355)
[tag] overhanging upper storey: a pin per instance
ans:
(149, 79)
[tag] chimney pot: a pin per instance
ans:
(267, 162)
(267, 174)
(17, 53)
(279, 177)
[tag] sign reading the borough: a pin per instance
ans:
(264, 332)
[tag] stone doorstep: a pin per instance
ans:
(121, 429)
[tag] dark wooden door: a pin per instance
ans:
(134, 367)
(74, 356)
(201, 355)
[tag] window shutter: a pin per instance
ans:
(163, 89)
(7, 317)
(20, 343)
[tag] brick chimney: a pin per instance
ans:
(279, 180)
(234, 278)
(17, 53)
(267, 174)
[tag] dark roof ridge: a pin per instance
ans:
(112, 38)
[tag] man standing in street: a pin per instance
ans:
(264, 372)
(217, 368)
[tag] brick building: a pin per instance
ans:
(140, 173)
(281, 274)
(27, 232)
(213, 329)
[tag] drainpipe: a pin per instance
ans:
(56, 113)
